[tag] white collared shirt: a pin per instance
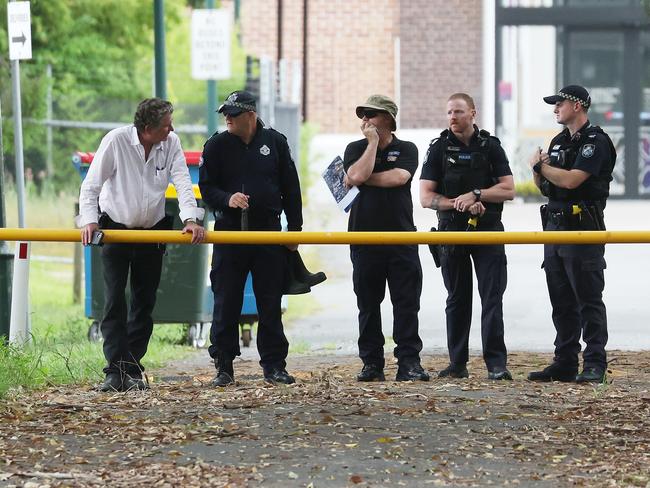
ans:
(131, 190)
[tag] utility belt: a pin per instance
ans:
(462, 221)
(574, 216)
(452, 220)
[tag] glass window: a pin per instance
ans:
(595, 60)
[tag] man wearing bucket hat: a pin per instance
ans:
(248, 177)
(382, 166)
(466, 178)
(575, 174)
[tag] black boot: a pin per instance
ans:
(555, 372)
(112, 383)
(302, 273)
(411, 370)
(225, 373)
(371, 372)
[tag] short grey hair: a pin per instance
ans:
(150, 112)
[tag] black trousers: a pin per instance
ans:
(575, 279)
(490, 265)
(373, 267)
(127, 331)
(231, 264)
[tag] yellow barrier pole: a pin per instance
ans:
(373, 238)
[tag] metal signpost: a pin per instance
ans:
(19, 32)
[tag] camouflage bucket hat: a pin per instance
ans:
(381, 103)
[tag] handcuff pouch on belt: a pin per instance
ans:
(579, 216)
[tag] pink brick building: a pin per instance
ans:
(416, 51)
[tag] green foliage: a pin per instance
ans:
(102, 56)
(95, 51)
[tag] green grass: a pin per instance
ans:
(299, 347)
(50, 211)
(59, 352)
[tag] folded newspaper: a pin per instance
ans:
(333, 177)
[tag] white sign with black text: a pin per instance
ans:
(211, 44)
(19, 28)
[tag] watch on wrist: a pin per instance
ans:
(537, 167)
(477, 194)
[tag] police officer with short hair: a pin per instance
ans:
(575, 174)
(248, 177)
(382, 166)
(466, 178)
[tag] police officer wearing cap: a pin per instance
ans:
(466, 178)
(248, 177)
(575, 174)
(382, 166)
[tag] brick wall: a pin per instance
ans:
(351, 56)
(351, 53)
(441, 54)
(259, 20)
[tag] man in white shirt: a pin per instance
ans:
(125, 189)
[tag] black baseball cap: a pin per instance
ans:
(238, 102)
(575, 93)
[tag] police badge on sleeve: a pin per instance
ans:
(588, 150)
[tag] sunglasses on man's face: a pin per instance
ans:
(233, 116)
(369, 114)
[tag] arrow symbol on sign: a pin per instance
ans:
(20, 39)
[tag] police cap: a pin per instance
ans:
(238, 102)
(575, 93)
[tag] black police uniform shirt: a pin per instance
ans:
(378, 208)
(433, 168)
(593, 156)
(263, 169)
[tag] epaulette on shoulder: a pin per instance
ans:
(210, 138)
(442, 135)
(594, 128)
(276, 131)
(487, 135)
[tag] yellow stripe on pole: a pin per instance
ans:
(372, 238)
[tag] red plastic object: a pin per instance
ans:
(192, 157)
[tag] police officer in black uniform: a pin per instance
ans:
(248, 177)
(382, 166)
(575, 174)
(466, 178)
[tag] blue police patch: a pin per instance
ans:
(588, 150)
(392, 156)
(464, 156)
